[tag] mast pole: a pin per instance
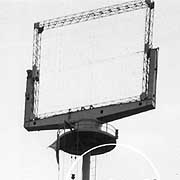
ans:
(86, 167)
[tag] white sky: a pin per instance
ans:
(91, 62)
(23, 154)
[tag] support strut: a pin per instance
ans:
(86, 167)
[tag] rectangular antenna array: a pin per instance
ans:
(32, 91)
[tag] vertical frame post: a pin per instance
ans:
(147, 43)
(36, 64)
(153, 73)
(29, 98)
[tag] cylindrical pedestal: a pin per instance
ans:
(86, 167)
(86, 135)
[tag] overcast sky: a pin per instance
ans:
(24, 155)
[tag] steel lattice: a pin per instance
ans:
(87, 16)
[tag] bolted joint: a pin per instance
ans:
(72, 176)
(143, 96)
(37, 26)
(29, 73)
(35, 73)
(147, 50)
(27, 96)
(150, 4)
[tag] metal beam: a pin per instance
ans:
(153, 66)
(105, 114)
(94, 14)
(29, 95)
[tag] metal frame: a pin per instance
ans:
(105, 112)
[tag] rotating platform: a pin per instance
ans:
(86, 135)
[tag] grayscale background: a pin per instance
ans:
(25, 156)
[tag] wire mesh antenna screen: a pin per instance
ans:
(97, 63)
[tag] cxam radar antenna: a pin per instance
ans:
(90, 80)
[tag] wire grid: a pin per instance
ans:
(87, 16)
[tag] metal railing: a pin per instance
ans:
(93, 124)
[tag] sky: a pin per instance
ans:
(77, 57)
(24, 155)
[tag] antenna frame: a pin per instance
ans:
(105, 113)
